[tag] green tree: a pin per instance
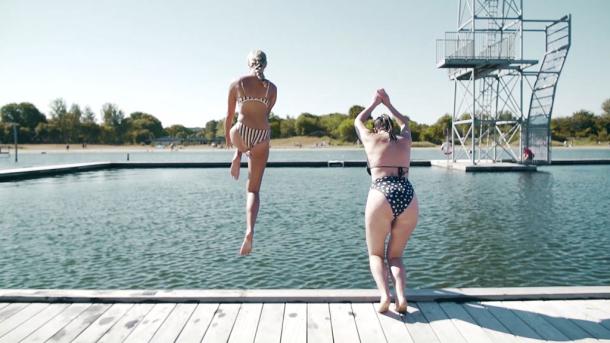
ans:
(416, 130)
(307, 125)
(210, 130)
(275, 124)
(287, 127)
(346, 131)
(178, 131)
(606, 106)
(583, 123)
(88, 116)
(435, 133)
(354, 111)
(142, 125)
(220, 130)
(26, 115)
(330, 123)
(114, 125)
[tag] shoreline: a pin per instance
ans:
(101, 148)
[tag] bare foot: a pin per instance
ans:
(236, 165)
(384, 305)
(246, 246)
(401, 305)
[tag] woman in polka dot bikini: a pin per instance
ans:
(391, 207)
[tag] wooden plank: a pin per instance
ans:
(246, 323)
(44, 332)
(80, 323)
(465, 323)
(489, 323)
(535, 320)
(318, 323)
(443, 326)
(150, 323)
(597, 309)
(30, 325)
(418, 326)
(123, 328)
(368, 325)
(512, 322)
(270, 324)
(560, 322)
(343, 323)
(602, 306)
(578, 311)
(99, 327)
(222, 324)
(175, 322)
(294, 329)
(197, 324)
(15, 320)
(393, 326)
(10, 310)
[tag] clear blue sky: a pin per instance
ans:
(175, 59)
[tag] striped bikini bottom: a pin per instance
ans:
(252, 137)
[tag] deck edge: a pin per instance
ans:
(298, 295)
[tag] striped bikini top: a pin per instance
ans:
(244, 98)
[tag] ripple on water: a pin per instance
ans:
(182, 229)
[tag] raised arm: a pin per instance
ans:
(402, 120)
(232, 99)
(365, 115)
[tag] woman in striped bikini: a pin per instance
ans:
(254, 96)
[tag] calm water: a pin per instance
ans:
(29, 159)
(181, 228)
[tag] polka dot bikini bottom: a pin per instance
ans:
(398, 191)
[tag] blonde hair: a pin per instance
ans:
(257, 61)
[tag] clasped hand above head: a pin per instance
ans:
(381, 97)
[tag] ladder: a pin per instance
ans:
(537, 129)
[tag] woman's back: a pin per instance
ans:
(385, 155)
(255, 98)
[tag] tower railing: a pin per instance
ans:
(475, 45)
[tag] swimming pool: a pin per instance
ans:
(181, 228)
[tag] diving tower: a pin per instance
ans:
(502, 104)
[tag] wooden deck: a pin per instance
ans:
(445, 320)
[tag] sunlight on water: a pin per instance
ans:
(177, 228)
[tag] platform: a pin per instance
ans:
(483, 166)
(306, 316)
(54, 170)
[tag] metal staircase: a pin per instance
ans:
(537, 129)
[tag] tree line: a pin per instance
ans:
(75, 124)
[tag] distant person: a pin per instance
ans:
(67, 146)
(528, 155)
(254, 97)
(391, 207)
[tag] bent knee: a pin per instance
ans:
(254, 191)
(394, 260)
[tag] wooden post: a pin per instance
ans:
(15, 132)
